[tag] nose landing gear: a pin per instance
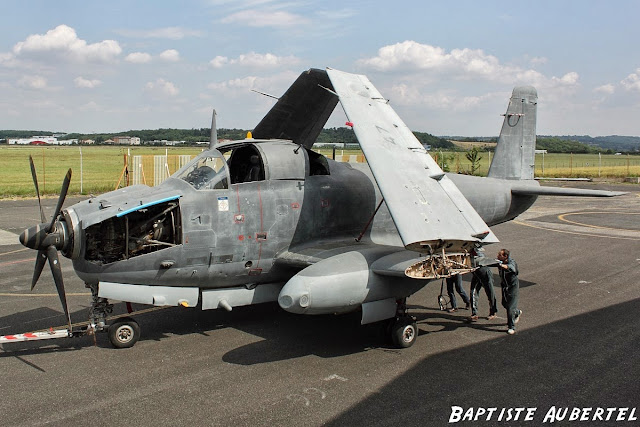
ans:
(124, 333)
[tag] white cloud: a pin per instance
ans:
(170, 55)
(253, 59)
(538, 60)
(568, 79)
(407, 95)
(245, 84)
(33, 82)
(138, 58)
(162, 87)
(171, 33)
(265, 18)
(7, 59)
(607, 89)
(64, 41)
(410, 57)
(219, 61)
(86, 83)
(632, 81)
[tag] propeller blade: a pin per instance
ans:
(63, 194)
(54, 263)
(35, 182)
(41, 260)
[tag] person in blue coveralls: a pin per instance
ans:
(510, 288)
(456, 280)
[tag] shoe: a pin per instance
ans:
(492, 316)
(517, 319)
(473, 318)
(452, 310)
(466, 307)
(511, 331)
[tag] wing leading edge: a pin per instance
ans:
(426, 206)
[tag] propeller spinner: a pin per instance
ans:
(47, 238)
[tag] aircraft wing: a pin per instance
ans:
(301, 113)
(426, 206)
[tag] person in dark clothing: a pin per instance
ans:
(510, 289)
(456, 280)
(482, 278)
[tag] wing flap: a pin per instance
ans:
(426, 206)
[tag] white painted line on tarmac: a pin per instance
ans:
(8, 238)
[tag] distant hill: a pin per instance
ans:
(329, 135)
(570, 143)
(5, 134)
(613, 142)
(565, 143)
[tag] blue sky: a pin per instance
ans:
(448, 68)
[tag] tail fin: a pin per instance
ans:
(515, 152)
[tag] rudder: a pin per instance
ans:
(515, 152)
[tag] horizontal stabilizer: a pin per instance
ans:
(427, 208)
(526, 190)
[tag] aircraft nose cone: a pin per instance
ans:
(23, 237)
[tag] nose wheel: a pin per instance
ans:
(124, 333)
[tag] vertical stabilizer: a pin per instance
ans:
(515, 152)
(214, 131)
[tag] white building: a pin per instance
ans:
(51, 140)
(126, 140)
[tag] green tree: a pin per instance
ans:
(474, 158)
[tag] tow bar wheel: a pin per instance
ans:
(124, 333)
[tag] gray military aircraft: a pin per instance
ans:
(268, 219)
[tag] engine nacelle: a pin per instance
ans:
(342, 283)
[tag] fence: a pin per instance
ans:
(97, 170)
(154, 169)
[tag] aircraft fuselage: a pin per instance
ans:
(179, 235)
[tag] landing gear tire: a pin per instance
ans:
(124, 333)
(404, 332)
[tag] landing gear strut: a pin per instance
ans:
(403, 328)
(123, 333)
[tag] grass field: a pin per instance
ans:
(102, 166)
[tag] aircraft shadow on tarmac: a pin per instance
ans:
(286, 336)
(584, 361)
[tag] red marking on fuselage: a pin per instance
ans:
(261, 227)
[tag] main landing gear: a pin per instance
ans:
(402, 329)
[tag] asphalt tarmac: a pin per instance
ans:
(575, 347)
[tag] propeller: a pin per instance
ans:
(47, 238)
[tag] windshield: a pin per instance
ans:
(207, 171)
